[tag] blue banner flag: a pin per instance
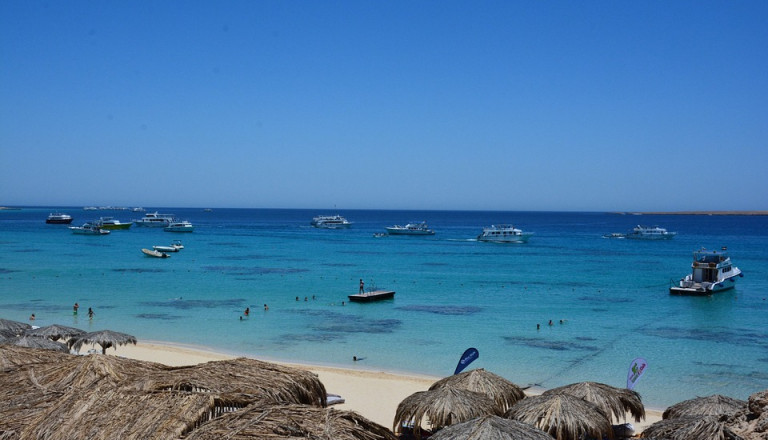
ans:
(470, 355)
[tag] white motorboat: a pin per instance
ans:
(504, 234)
(88, 229)
(57, 218)
(410, 229)
(175, 246)
(179, 226)
(155, 220)
(711, 271)
(330, 222)
(650, 233)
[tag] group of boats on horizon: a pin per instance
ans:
(712, 271)
(104, 225)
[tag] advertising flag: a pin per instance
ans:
(469, 355)
(636, 370)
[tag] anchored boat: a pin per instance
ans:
(711, 271)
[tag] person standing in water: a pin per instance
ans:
(74, 308)
(90, 313)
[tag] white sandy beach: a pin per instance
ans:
(372, 394)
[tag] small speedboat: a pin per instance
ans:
(711, 271)
(154, 253)
(165, 248)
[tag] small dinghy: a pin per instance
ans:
(154, 253)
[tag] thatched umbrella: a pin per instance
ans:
(491, 428)
(615, 402)
(105, 338)
(55, 332)
(690, 428)
(289, 422)
(32, 342)
(14, 327)
(715, 405)
(563, 416)
(244, 380)
(442, 407)
(110, 413)
(502, 391)
(12, 356)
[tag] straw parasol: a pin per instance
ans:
(111, 413)
(32, 342)
(105, 338)
(14, 327)
(12, 356)
(291, 421)
(563, 416)
(714, 405)
(615, 402)
(55, 332)
(244, 380)
(500, 390)
(491, 428)
(442, 407)
(690, 428)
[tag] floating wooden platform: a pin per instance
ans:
(376, 295)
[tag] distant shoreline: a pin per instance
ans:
(696, 213)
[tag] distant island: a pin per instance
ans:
(697, 213)
(7, 208)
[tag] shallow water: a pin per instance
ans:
(452, 293)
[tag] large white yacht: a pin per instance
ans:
(711, 271)
(650, 233)
(420, 228)
(330, 222)
(504, 234)
(155, 220)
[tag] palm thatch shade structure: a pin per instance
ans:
(491, 428)
(15, 328)
(500, 390)
(55, 332)
(242, 380)
(109, 413)
(690, 428)
(32, 342)
(12, 356)
(715, 405)
(105, 338)
(291, 422)
(442, 407)
(563, 416)
(615, 402)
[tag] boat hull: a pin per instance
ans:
(59, 221)
(117, 227)
(376, 295)
(510, 239)
(397, 231)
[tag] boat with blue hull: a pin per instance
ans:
(711, 271)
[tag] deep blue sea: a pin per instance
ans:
(453, 292)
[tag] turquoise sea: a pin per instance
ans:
(452, 293)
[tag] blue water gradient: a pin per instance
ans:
(607, 299)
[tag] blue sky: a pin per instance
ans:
(509, 105)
